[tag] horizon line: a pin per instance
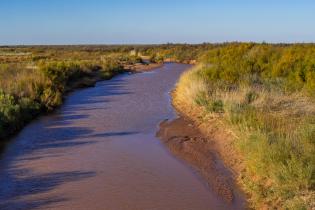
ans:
(148, 44)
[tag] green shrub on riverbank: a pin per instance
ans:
(265, 94)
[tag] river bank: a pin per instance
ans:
(262, 124)
(207, 146)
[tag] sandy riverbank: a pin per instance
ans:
(191, 138)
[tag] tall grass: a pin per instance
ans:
(272, 115)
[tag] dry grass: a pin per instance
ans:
(20, 81)
(190, 86)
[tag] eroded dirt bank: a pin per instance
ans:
(187, 138)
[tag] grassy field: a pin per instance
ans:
(265, 95)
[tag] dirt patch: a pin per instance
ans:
(88, 81)
(140, 67)
(196, 140)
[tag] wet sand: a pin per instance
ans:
(183, 137)
(99, 151)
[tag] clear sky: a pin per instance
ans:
(158, 21)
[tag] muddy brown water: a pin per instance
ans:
(99, 151)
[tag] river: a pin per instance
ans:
(99, 151)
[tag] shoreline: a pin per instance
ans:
(90, 81)
(139, 68)
(206, 149)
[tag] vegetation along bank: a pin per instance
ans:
(256, 101)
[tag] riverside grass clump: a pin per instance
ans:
(265, 95)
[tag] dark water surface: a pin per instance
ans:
(99, 151)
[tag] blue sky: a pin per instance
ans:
(159, 21)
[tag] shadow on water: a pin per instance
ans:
(48, 137)
(97, 94)
(35, 184)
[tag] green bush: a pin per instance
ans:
(10, 112)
